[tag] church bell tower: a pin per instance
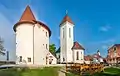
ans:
(66, 39)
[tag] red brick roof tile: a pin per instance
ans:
(66, 18)
(77, 46)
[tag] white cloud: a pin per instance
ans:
(105, 28)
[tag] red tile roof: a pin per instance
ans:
(87, 58)
(77, 46)
(28, 17)
(66, 18)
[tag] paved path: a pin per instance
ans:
(62, 72)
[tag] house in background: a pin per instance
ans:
(97, 58)
(113, 56)
(88, 59)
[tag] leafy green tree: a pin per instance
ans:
(2, 49)
(52, 48)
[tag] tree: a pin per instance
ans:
(2, 50)
(52, 48)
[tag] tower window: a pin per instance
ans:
(63, 32)
(46, 46)
(46, 34)
(69, 32)
(20, 58)
(29, 59)
(77, 58)
(63, 59)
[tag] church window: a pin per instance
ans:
(46, 34)
(77, 58)
(20, 58)
(69, 32)
(29, 59)
(63, 59)
(63, 32)
(46, 46)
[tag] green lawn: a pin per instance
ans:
(48, 71)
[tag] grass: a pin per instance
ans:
(47, 71)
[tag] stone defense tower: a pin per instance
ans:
(66, 40)
(32, 39)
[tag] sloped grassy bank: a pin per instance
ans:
(46, 71)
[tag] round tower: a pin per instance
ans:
(32, 39)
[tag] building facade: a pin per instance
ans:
(32, 39)
(113, 54)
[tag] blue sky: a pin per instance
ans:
(97, 22)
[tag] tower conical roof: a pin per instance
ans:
(27, 15)
(66, 18)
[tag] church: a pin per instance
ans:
(32, 41)
(70, 51)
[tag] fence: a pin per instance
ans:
(84, 68)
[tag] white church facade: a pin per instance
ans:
(70, 51)
(32, 40)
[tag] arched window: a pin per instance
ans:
(63, 59)
(69, 32)
(77, 58)
(20, 59)
(63, 32)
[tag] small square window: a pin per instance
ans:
(20, 58)
(29, 59)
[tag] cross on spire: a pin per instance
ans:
(66, 12)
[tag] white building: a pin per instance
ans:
(32, 40)
(52, 59)
(70, 51)
(97, 58)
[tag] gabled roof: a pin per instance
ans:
(88, 58)
(27, 15)
(76, 45)
(66, 18)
